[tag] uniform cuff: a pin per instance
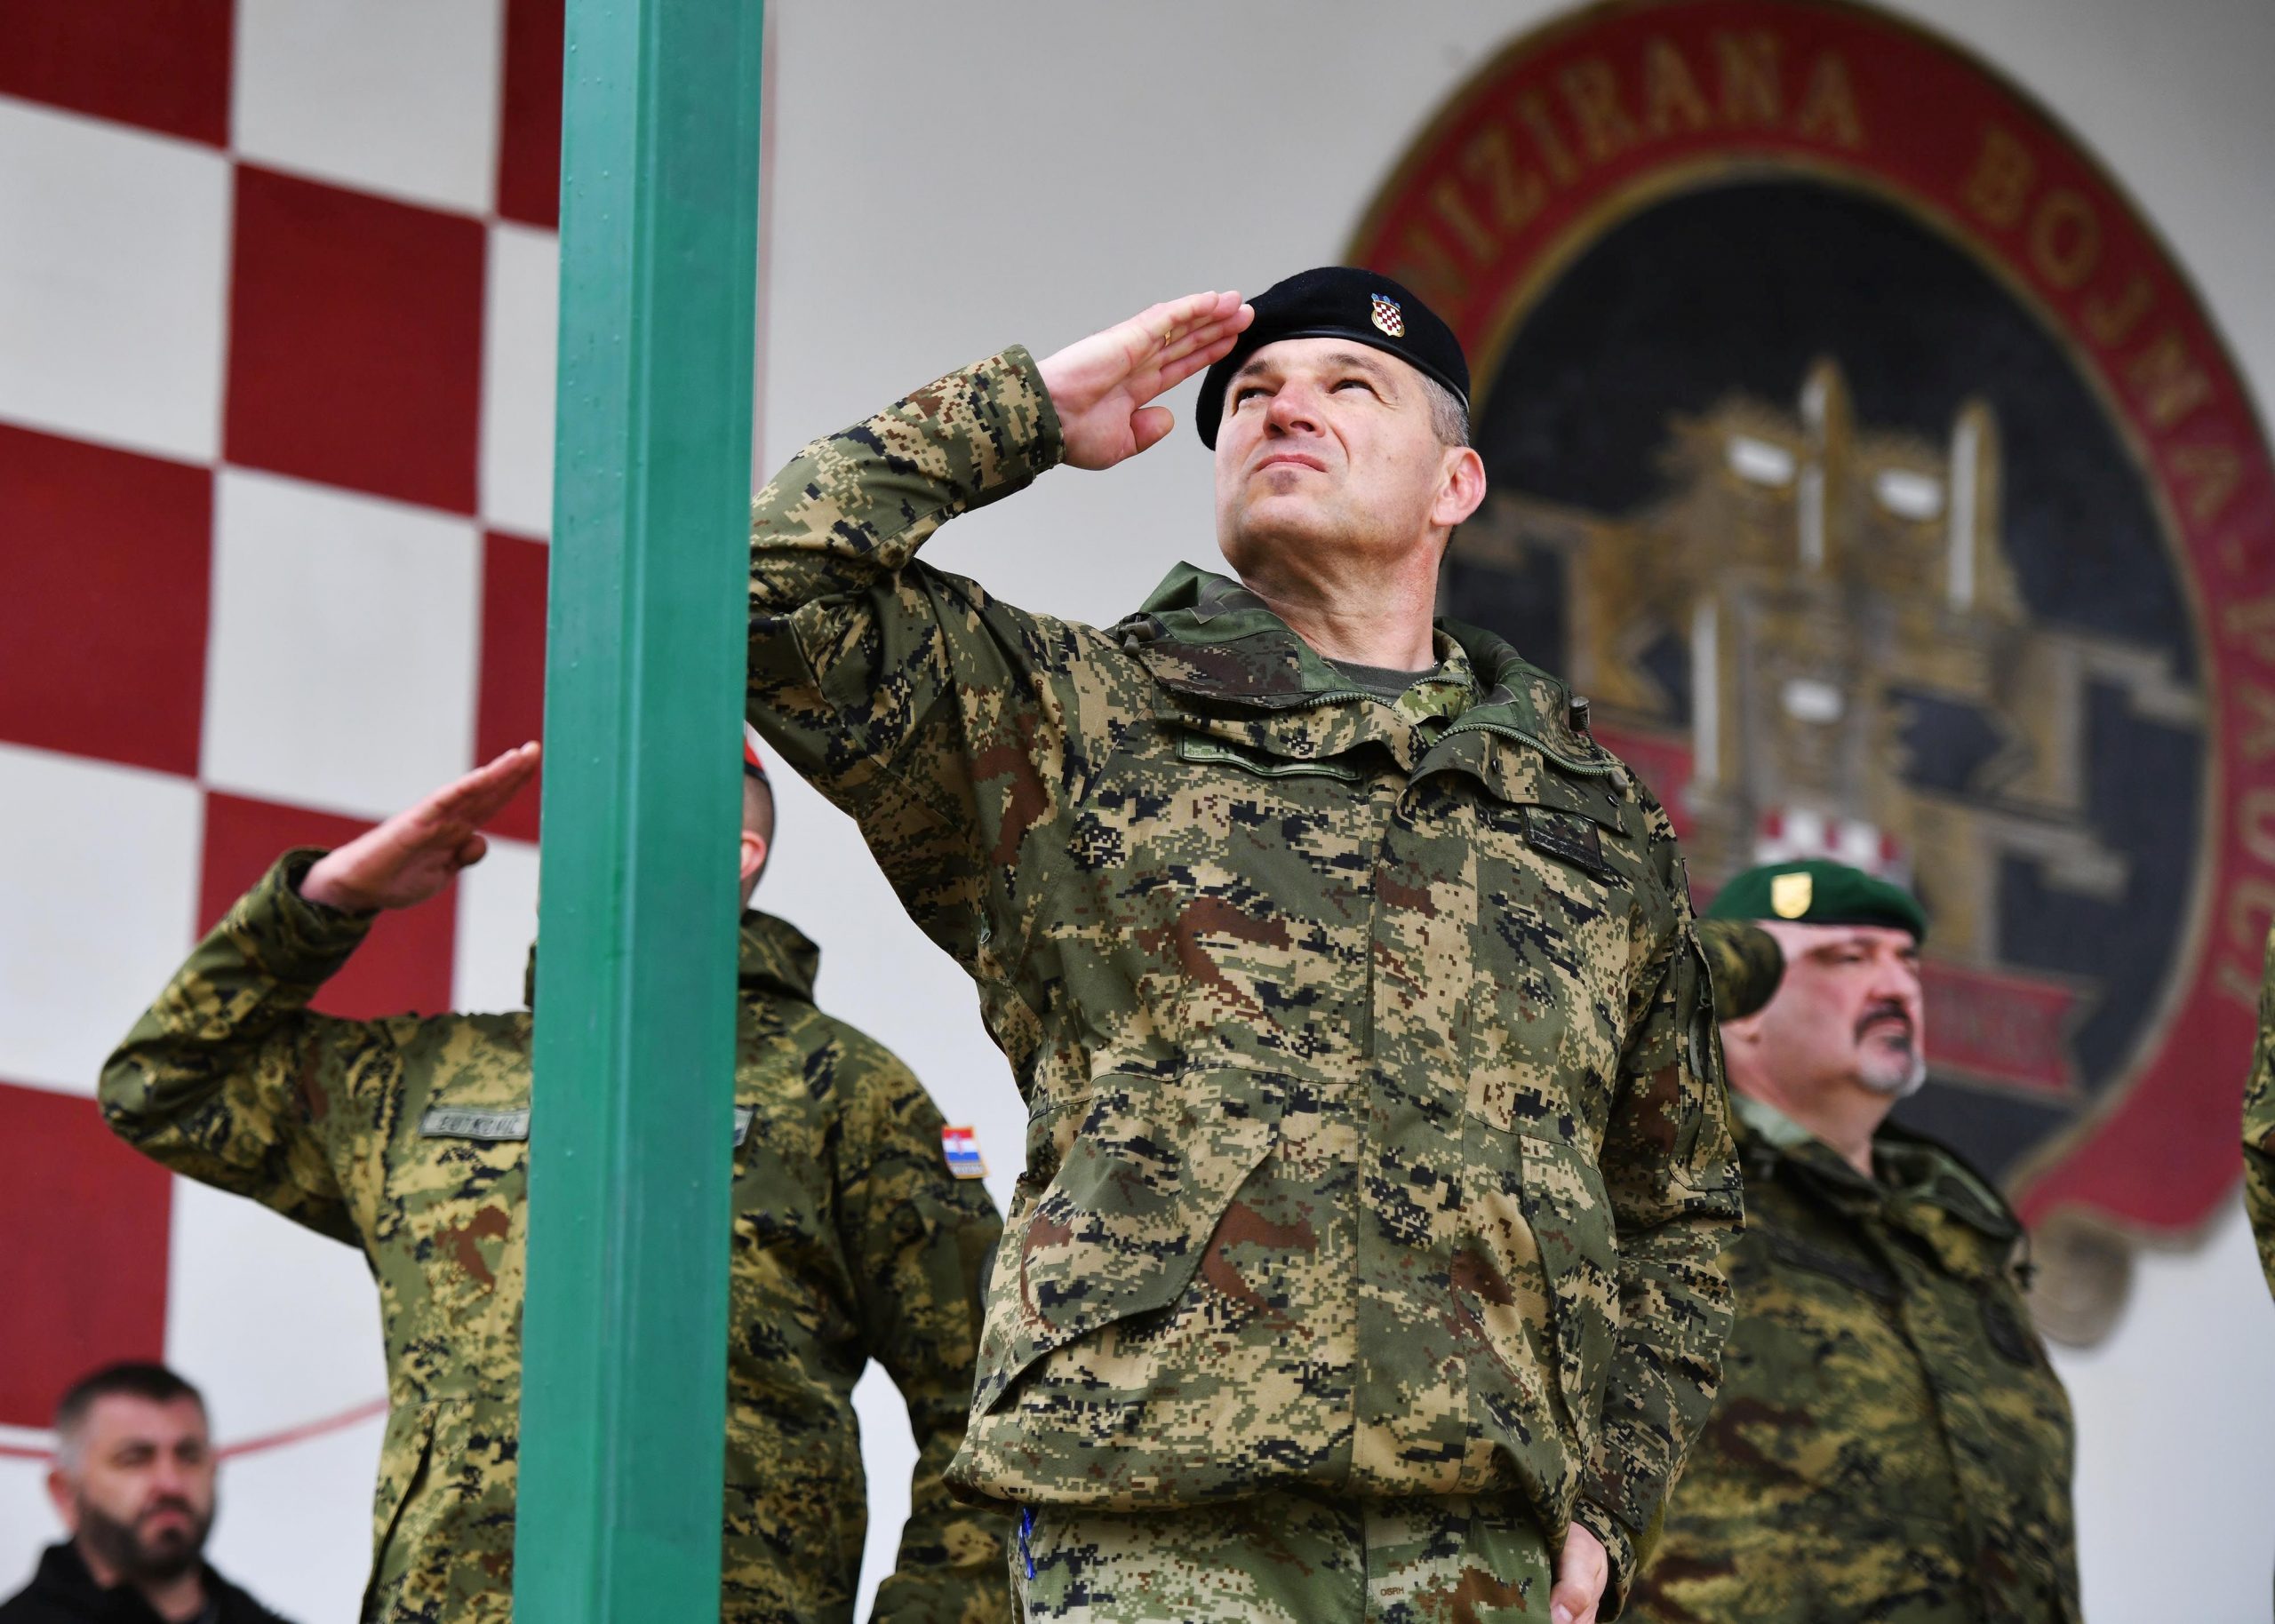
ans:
(1619, 1554)
(1011, 399)
(293, 938)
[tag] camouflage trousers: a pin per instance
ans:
(1284, 1558)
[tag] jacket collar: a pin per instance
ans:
(774, 955)
(1207, 636)
(64, 1580)
(777, 957)
(1911, 1169)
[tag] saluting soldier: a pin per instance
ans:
(1364, 1261)
(1889, 1442)
(408, 1138)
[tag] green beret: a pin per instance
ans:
(1816, 891)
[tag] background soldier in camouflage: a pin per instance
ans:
(1364, 1261)
(2259, 1125)
(408, 1138)
(1889, 1442)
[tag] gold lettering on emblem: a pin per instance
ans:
(1750, 90)
(2064, 239)
(1512, 193)
(1669, 94)
(1829, 105)
(2258, 704)
(1453, 209)
(1425, 266)
(2250, 905)
(1552, 153)
(2255, 816)
(1592, 90)
(2251, 621)
(2170, 384)
(2113, 325)
(2000, 184)
(2212, 474)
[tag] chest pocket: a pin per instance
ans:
(1560, 882)
(1230, 859)
(460, 1195)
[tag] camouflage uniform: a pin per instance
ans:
(1889, 1442)
(1375, 1148)
(1747, 964)
(2259, 1125)
(408, 1138)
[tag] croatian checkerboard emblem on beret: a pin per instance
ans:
(1388, 316)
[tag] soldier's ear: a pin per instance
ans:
(1461, 487)
(754, 857)
(65, 1500)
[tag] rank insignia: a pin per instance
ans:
(961, 1146)
(1388, 317)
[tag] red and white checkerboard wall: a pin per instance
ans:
(277, 330)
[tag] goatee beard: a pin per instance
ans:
(1904, 1085)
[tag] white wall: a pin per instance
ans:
(952, 179)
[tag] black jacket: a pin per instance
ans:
(63, 1592)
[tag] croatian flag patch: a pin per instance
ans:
(961, 1146)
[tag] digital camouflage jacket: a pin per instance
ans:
(1376, 1143)
(2259, 1125)
(1889, 1442)
(408, 1138)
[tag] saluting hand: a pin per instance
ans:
(415, 853)
(1100, 385)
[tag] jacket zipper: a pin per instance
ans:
(1600, 769)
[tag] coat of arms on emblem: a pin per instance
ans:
(1388, 317)
(1889, 511)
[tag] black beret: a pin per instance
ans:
(1817, 891)
(1337, 302)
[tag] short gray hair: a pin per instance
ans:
(1447, 416)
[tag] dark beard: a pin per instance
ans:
(122, 1547)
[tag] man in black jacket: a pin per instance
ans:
(134, 1483)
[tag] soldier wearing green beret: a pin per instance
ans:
(407, 1138)
(1364, 1264)
(1889, 1442)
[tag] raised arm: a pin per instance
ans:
(912, 698)
(1671, 1172)
(229, 1077)
(917, 1238)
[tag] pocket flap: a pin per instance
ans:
(1122, 1229)
(1523, 777)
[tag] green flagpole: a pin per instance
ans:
(625, 1334)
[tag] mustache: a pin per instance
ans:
(171, 1502)
(1885, 1009)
